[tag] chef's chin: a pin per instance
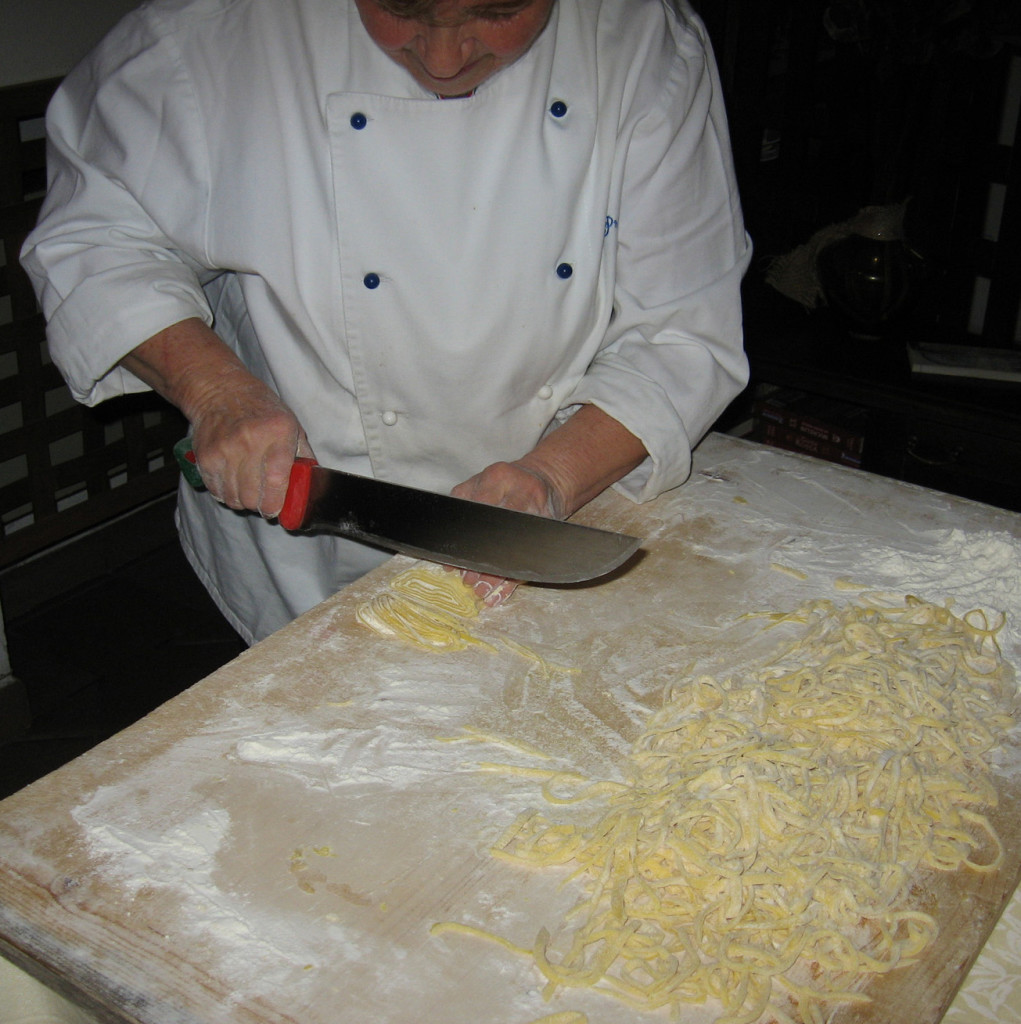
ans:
(462, 84)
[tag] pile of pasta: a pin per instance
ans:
(427, 606)
(430, 607)
(762, 848)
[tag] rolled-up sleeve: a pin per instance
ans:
(674, 356)
(117, 253)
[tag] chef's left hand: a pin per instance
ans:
(508, 485)
(563, 472)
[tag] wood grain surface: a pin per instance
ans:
(275, 844)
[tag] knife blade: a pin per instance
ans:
(441, 528)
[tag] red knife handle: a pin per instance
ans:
(292, 515)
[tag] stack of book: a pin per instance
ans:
(796, 421)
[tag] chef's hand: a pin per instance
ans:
(566, 469)
(245, 441)
(244, 437)
(509, 485)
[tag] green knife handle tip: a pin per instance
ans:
(186, 460)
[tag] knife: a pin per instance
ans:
(439, 527)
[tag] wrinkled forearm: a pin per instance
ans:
(583, 457)
(567, 468)
(187, 364)
(244, 437)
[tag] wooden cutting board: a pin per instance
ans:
(275, 844)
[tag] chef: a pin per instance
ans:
(487, 246)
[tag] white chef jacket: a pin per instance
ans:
(430, 285)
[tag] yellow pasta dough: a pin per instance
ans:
(427, 606)
(438, 588)
(432, 608)
(761, 848)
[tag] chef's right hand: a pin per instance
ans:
(244, 437)
(245, 443)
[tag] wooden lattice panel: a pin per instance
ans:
(63, 467)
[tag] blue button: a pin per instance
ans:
(359, 121)
(565, 270)
(371, 280)
(558, 109)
